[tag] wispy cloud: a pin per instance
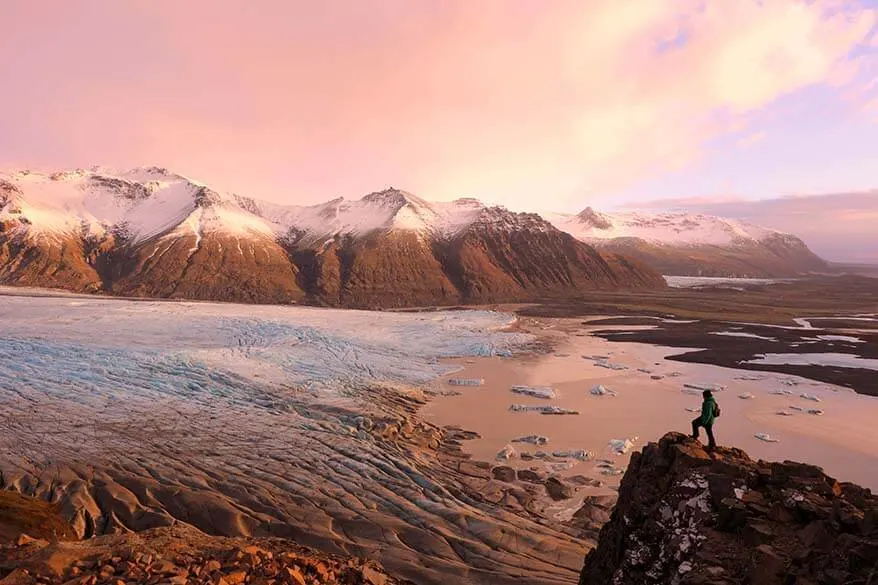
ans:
(751, 139)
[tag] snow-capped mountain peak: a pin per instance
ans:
(676, 228)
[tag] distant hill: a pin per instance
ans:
(693, 244)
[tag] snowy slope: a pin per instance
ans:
(140, 204)
(148, 201)
(145, 202)
(659, 228)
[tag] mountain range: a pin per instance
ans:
(149, 232)
(693, 244)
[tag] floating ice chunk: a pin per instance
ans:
(621, 446)
(766, 437)
(711, 387)
(784, 413)
(644, 370)
(610, 366)
(562, 355)
(507, 453)
(781, 391)
(692, 409)
(580, 454)
(656, 377)
(466, 381)
(535, 391)
(794, 407)
(811, 397)
(789, 381)
(601, 390)
(595, 357)
(610, 469)
(532, 439)
(541, 409)
(675, 374)
(846, 338)
(691, 391)
(815, 411)
(742, 334)
(557, 410)
(750, 377)
(746, 396)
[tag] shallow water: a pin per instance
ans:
(844, 441)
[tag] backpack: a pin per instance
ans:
(716, 411)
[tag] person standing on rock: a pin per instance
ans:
(709, 412)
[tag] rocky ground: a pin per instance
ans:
(180, 555)
(688, 517)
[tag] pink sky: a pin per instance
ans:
(533, 104)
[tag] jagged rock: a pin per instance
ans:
(529, 475)
(684, 518)
(504, 473)
(557, 489)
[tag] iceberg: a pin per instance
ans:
(535, 391)
(610, 366)
(507, 453)
(601, 390)
(702, 387)
(580, 454)
(532, 439)
(541, 409)
(466, 381)
(621, 446)
(766, 437)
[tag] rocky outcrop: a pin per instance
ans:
(181, 555)
(687, 517)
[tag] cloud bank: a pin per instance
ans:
(506, 100)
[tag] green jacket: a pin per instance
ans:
(708, 411)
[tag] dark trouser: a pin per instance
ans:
(711, 442)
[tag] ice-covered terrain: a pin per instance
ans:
(257, 420)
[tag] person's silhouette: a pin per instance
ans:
(709, 412)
